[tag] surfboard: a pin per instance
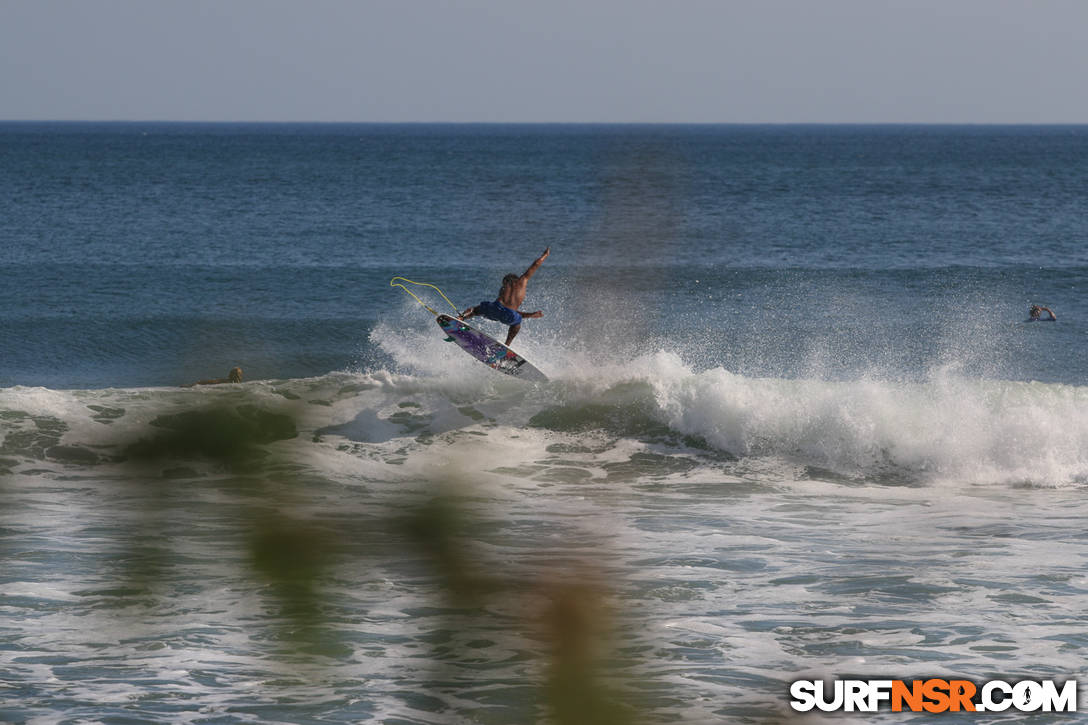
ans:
(489, 351)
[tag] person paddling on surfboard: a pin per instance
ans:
(505, 307)
(1035, 314)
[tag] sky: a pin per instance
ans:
(593, 61)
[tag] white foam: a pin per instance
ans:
(946, 429)
(974, 431)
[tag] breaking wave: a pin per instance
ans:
(946, 429)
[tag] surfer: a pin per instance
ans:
(1036, 312)
(505, 307)
(234, 376)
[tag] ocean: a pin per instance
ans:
(797, 424)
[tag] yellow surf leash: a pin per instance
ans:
(394, 283)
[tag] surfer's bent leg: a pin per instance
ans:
(512, 333)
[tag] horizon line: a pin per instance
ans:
(543, 123)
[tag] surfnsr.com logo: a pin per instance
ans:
(933, 695)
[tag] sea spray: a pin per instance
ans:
(949, 428)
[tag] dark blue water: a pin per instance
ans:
(153, 254)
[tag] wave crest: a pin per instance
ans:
(946, 429)
(969, 430)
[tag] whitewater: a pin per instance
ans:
(736, 533)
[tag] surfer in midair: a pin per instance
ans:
(505, 308)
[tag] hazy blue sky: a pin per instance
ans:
(985, 61)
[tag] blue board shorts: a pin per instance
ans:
(499, 313)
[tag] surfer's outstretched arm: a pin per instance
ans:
(470, 312)
(536, 264)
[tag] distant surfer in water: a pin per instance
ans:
(1036, 312)
(505, 307)
(234, 376)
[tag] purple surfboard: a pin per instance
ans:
(488, 351)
